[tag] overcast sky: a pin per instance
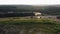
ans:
(29, 2)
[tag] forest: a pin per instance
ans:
(17, 10)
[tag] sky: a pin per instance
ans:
(29, 2)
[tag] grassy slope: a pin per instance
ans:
(46, 25)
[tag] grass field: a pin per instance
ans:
(20, 20)
(46, 25)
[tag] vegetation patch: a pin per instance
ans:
(35, 25)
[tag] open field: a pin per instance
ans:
(29, 26)
(24, 18)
